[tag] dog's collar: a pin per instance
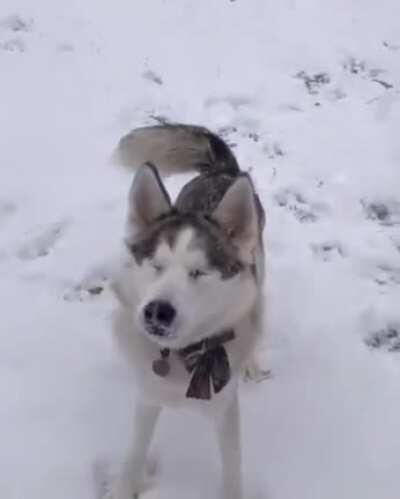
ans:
(206, 360)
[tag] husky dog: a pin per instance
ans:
(190, 304)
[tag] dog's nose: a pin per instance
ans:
(159, 312)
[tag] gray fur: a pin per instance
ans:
(175, 149)
(221, 255)
(216, 223)
(178, 148)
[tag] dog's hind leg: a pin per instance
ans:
(130, 480)
(228, 428)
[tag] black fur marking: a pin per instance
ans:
(159, 181)
(221, 255)
(194, 206)
(204, 193)
(223, 155)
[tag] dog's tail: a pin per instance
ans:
(176, 149)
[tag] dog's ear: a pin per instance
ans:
(147, 200)
(237, 215)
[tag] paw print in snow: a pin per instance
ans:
(385, 212)
(328, 251)
(301, 208)
(41, 244)
(16, 23)
(387, 275)
(387, 338)
(313, 83)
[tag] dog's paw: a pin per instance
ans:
(125, 483)
(255, 373)
(109, 485)
(113, 495)
(124, 489)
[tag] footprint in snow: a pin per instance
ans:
(387, 275)
(313, 82)
(91, 285)
(384, 212)
(231, 134)
(273, 150)
(360, 68)
(391, 46)
(65, 48)
(41, 244)
(396, 243)
(386, 338)
(13, 45)
(16, 24)
(152, 76)
(304, 210)
(236, 102)
(82, 292)
(328, 251)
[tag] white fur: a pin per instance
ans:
(204, 306)
(207, 305)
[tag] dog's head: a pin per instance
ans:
(194, 273)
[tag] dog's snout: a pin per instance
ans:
(159, 312)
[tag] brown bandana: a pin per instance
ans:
(206, 360)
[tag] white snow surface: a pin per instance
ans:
(309, 94)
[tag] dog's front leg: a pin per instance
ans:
(228, 427)
(129, 482)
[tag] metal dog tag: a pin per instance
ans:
(161, 367)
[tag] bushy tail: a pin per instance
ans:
(176, 149)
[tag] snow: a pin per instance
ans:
(308, 92)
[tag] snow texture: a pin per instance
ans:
(308, 94)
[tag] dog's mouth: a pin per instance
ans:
(161, 336)
(159, 332)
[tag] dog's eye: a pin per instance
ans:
(157, 267)
(196, 273)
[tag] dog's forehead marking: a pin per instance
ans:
(183, 251)
(184, 241)
(163, 251)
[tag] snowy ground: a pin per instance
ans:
(309, 94)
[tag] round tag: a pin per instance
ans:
(161, 367)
